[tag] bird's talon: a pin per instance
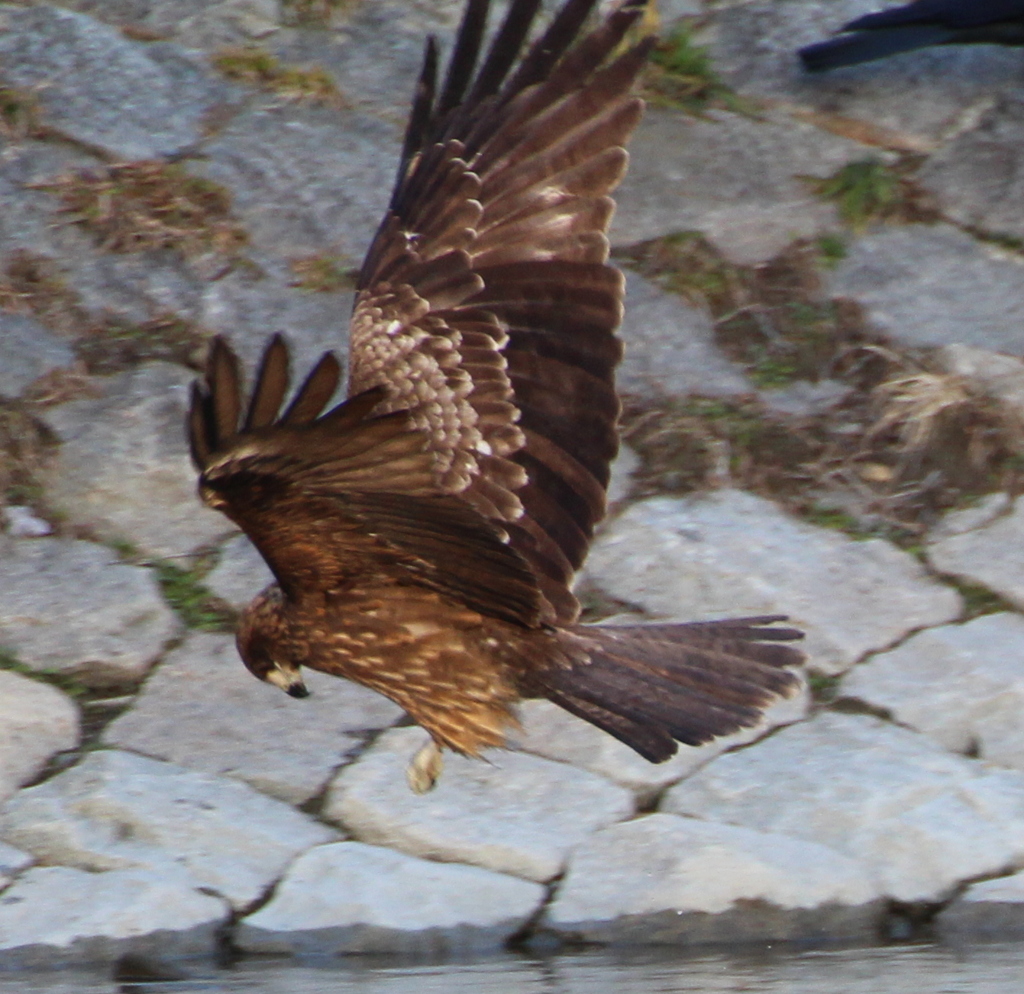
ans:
(425, 768)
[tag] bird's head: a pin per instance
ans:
(262, 647)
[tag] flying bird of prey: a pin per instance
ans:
(424, 532)
(919, 25)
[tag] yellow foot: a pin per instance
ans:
(425, 769)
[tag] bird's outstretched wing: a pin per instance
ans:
(486, 307)
(327, 496)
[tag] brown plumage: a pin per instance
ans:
(424, 533)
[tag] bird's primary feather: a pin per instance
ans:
(424, 532)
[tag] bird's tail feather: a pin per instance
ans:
(851, 49)
(652, 686)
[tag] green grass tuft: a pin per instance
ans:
(680, 75)
(832, 250)
(864, 191)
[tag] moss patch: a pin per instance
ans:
(259, 67)
(824, 688)
(140, 206)
(19, 115)
(832, 250)
(62, 681)
(183, 590)
(978, 600)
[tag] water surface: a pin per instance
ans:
(987, 969)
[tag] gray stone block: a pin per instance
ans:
(732, 178)
(36, 721)
(125, 98)
(240, 574)
(305, 179)
(921, 818)
(934, 285)
(987, 911)
(204, 710)
(661, 879)
(352, 898)
(123, 469)
(119, 811)
(514, 813)
(910, 101)
(977, 178)
(671, 349)
(71, 607)
(988, 553)
(729, 553)
(29, 351)
(962, 685)
(55, 915)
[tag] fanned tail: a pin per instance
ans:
(652, 686)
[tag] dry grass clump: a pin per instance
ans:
(322, 274)
(915, 407)
(938, 422)
(61, 386)
(32, 284)
(313, 13)
(25, 447)
(680, 75)
(885, 461)
(113, 346)
(139, 206)
(911, 444)
(773, 319)
(139, 32)
(703, 442)
(903, 445)
(258, 67)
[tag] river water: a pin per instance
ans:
(987, 969)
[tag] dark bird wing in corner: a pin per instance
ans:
(425, 531)
(919, 25)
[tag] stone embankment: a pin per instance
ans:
(825, 404)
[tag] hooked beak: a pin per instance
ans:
(290, 683)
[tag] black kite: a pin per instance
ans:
(424, 533)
